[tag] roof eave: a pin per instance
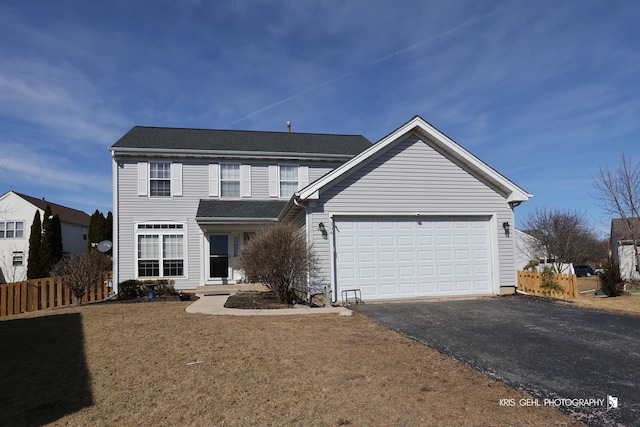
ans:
(189, 153)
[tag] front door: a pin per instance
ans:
(219, 256)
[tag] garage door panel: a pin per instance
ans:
(405, 257)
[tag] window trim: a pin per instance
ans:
(161, 229)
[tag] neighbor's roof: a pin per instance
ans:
(161, 138)
(240, 209)
(621, 231)
(65, 214)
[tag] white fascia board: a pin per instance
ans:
(186, 153)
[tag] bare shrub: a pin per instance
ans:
(278, 256)
(81, 271)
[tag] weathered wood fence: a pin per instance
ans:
(530, 281)
(40, 294)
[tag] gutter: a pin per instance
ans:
(266, 155)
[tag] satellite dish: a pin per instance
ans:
(105, 246)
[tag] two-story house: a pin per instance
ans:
(185, 200)
(413, 215)
(17, 212)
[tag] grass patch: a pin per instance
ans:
(155, 364)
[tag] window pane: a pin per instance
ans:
(172, 247)
(148, 247)
(289, 173)
(230, 189)
(173, 268)
(20, 229)
(160, 188)
(10, 230)
(160, 171)
(2, 230)
(230, 172)
(149, 268)
(288, 188)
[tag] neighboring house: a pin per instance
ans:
(16, 217)
(623, 248)
(412, 215)
(528, 248)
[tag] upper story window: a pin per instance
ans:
(229, 180)
(11, 229)
(288, 179)
(159, 179)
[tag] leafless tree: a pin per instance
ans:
(81, 271)
(561, 235)
(618, 193)
(278, 256)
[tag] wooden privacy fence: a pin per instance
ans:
(530, 281)
(40, 294)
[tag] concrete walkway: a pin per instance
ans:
(214, 304)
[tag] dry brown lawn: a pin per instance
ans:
(624, 304)
(154, 364)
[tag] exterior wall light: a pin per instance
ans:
(506, 226)
(322, 228)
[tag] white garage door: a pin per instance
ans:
(411, 257)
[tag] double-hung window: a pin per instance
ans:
(229, 180)
(288, 180)
(160, 179)
(160, 250)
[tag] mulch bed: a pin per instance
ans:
(255, 300)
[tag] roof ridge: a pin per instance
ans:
(247, 130)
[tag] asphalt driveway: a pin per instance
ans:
(564, 356)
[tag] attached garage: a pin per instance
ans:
(416, 215)
(412, 256)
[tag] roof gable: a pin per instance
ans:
(423, 129)
(620, 229)
(141, 139)
(66, 214)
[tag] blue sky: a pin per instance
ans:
(545, 92)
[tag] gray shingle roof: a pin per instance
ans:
(143, 137)
(620, 230)
(259, 209)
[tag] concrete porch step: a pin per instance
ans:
(229, 289)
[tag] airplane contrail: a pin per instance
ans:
(367, 66)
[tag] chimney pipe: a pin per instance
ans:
(288, 126)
